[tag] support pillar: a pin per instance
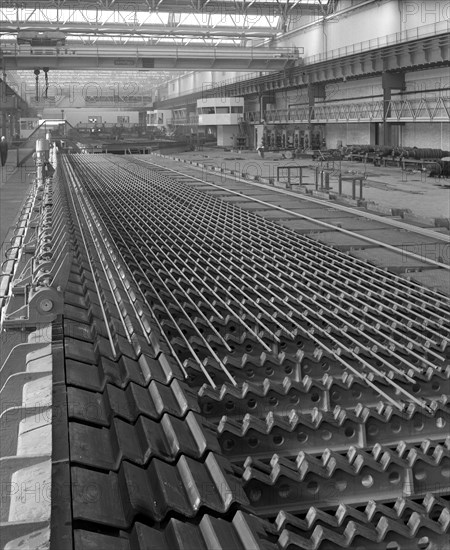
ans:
(389, 81)
(42, 156)
(264, 100)
(314, 91)
(3, 99)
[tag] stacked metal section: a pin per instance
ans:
(26, 218)
(37, 261)
(231, 384)
(146, 470)
(43, 257)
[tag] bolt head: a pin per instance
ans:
(46, 305)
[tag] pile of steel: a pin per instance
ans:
(231, 384)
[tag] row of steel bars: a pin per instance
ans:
(385, 277)
(150, 282)
(419, 323)
(218, 284)
(355, 267)
(149, 199)
(409, 313)
(376, 371)
(106, 256)
(213, 187)
(145, 244)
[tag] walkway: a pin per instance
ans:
(14, 186)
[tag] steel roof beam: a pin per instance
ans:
(138, 31)
(263, 7)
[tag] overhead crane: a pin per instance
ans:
(132, 57)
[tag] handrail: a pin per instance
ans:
(433, 29)
(415, 33)
(424, 109)
(39, 132)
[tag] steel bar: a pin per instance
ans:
(248, 261)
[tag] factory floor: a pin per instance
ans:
(14, 187)
(387, 187)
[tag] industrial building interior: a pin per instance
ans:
(225, 275)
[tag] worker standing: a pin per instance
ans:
(3, 150)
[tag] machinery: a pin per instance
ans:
(41, 38)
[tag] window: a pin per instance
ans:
(28, 124)
(222, 110)
(123, 119)
(237, 109)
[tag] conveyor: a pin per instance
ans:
(225, 382)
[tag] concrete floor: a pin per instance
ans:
(388, 187)
(14, 186)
